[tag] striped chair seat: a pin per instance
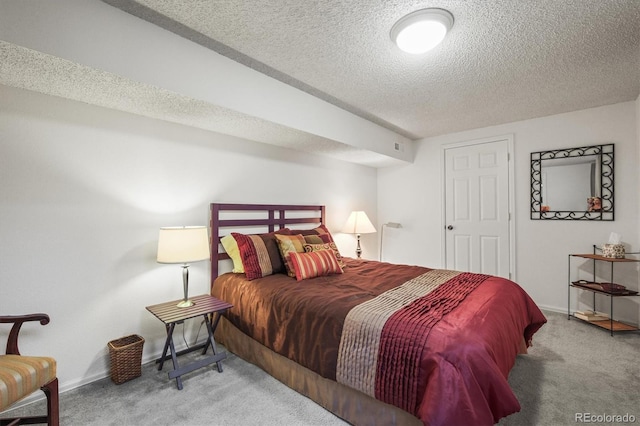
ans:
(22, 375)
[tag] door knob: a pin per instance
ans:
(450, 227)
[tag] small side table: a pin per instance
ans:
(210, 309)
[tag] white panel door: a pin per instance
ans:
(477, 208)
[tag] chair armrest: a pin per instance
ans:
(18, 320)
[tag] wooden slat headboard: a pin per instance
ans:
(271, 218)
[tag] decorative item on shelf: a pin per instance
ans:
(591, 316)
(614, 248)
(358, 223)
(390, 225)
(184, 245)
(613, 288)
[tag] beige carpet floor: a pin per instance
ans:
(573, 369)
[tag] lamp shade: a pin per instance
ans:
(183, 244)
(358, 223)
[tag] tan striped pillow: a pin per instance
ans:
(315, 264)
(290, 244)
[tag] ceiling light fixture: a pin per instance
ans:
(422, 30)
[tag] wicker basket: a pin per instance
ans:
(126, 358)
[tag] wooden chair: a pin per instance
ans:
(20, 375)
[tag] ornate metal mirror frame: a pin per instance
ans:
(603, 155)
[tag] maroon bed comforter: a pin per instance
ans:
(438, 344)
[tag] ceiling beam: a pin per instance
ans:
(99, 36)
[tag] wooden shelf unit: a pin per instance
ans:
(612, 325)
(606, 259)
(595, 288)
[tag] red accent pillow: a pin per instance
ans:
(260, 254)
(315, 264)
(326, 246)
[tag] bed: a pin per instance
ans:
(372, 342)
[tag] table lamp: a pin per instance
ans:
(184, 245)
(358, 223)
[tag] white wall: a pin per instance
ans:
(411, 195)
(83, 192)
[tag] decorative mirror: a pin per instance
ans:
(573, 183)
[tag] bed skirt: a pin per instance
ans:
(345, 402)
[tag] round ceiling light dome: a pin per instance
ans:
(422, 30)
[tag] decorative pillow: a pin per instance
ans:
(317, 239)
(230, 245)
(259, 253)
(326, 246)
(320, 231)
(290, 244)
(315, 264)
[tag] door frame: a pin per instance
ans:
(508, 138)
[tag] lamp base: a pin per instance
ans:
(185, 287)
(185, 304)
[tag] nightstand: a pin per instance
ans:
(205, 306)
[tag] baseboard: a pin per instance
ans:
(553, 309)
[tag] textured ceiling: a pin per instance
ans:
(503, 61)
